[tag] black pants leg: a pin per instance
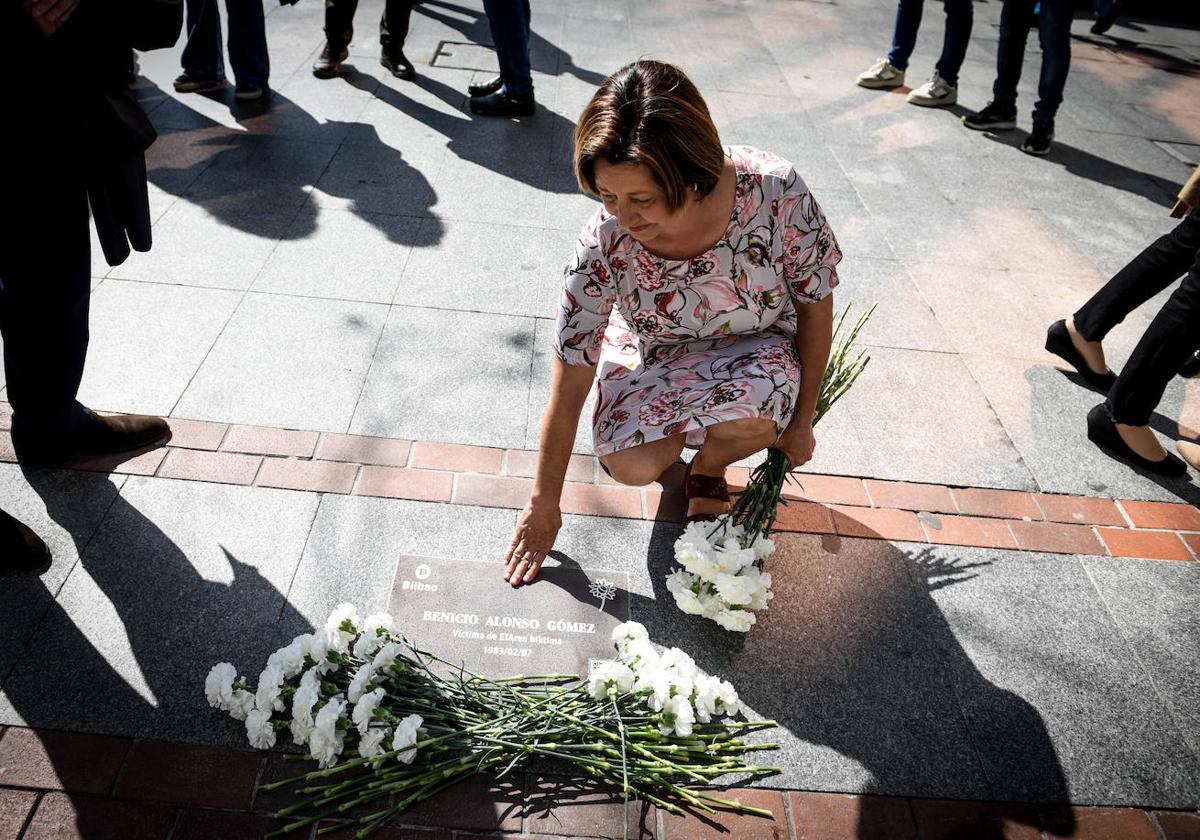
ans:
(45, 289)
(393, 27)
(339, 24)
(1167, 343)
(1151, 271)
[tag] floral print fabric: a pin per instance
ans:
(684, 344)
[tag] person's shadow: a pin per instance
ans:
(855, 660)
(140, 626)
(258, 179)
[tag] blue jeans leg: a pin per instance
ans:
(1054, 31)
(1016, 17)
(248, 42)
(202, 54)
(509, 21)
(959, 18)
(904, 39)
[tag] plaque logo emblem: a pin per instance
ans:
(422, 571)
(602, 590)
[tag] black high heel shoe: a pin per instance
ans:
(1102, 431)
(1058, 342)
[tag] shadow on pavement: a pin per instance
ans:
(166, 625)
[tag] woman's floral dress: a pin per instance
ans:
(684, 344)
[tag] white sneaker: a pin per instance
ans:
(934, 93)
(881, 75)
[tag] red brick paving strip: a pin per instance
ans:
(219, 467)
(315, 476)
(971, 530)
(873, 523)
(665, 505)
(837, 816)
(523, 463)
(263, 440)
(397, 483)
(1057, 537)
(478, 803)
(195, 824)
(1078, 823)
(359, 449)
(939, 819)
(1002, 504)
(1081, 510)
(492, 491)
(1162, 515)
(808, 517)
(196, 434)
(830, 489)
(578, 808)
(185, 774)
(1178, 825)
(899, 494)
(60, 760)
(726, 825)
(15, 806)
(1193, 542)
(125, 463)
(593, 500)
(456, 457)
(391, 833)
(60, 816)
(1151, 545)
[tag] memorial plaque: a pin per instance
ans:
(465, 612)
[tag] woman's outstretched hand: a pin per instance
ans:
(797, 443)
(537, 526)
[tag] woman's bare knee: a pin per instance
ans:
(642, 465)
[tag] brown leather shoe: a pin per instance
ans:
(110, 434)
(21, 550)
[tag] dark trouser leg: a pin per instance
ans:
(44, 294)
(248, 42)
(202, 54)
(509, 21)
(1015, 19)
(1054, 32)
(1147, 274)
(339, 24)
(393, 28)
(1163, 348)
(959, 18)
(904, 39)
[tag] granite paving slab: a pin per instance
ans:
(1105, 735)
(179, 576)
(147, 341)
(445, 375)
(64, 509)
(299, 363)
(1155, 605)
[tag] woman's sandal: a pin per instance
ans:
(703, 487)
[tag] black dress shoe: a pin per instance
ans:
(1191, 367)
(484, 88)
(21, 550)
(1058, 342)
(398, 64)
(503, 104)
(1102, 431)
(104, 434)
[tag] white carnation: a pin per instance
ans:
(317, 645)
(707, 697)
(372, 740)
(218, 685)
(696, 534)
(639, 654)
(326, 740)
(383, 660)
(729, 702)
(610, 679)
(736, 589)
(676, 660)
(702, 564)
(677, 715)
(763, 548)
(303, 700)
(739, 621)
(359, 683)
(680, 584)
(732, 561)
(763, 595)
(270, 684)
(406, 736)
(628, 631)
(365, 708)
(289, 659)
(241, 704)
(341, 614)
(259, 730)
(369, 640)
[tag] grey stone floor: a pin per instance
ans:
(364, 256)
(896, 669)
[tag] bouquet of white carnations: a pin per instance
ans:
(385, 719)
(722, 576)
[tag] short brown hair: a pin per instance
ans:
(649, 112)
